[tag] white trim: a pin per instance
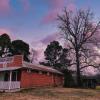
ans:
(16, 74)
(4, 85)
(9, 68)
(10, 80)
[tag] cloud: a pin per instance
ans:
(50, 38)
(40, 45)
(71, 7)
(90, 71)
(56, 3)
(4, 6)
(56, 7)
(50, 17)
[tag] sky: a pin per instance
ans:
(32, 20)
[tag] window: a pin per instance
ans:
(14, 76)
(48, 73)
(34, 71)
(40, 72)
(45, 73)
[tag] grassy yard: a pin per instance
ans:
(53, 94)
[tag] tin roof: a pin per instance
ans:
(40, 67)
(9, 68)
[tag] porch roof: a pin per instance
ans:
(9, 68)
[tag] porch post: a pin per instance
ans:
(16, 75)
(10, 80)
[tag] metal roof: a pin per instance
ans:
(40, 67)
(9, 68)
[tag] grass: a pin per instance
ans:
(98, 87)
(53, 94)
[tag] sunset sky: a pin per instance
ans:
(32, 20)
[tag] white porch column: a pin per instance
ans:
(16, 75)
(10, 80)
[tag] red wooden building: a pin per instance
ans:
(16, 74)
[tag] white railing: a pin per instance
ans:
(7, 85)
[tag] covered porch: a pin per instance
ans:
(9, 78)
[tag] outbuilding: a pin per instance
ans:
(16, 74)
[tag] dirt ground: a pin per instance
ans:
(53, 94)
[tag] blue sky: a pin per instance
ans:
(31, 20)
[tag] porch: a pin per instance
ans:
(9, 85)
(10, 79)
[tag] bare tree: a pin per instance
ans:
(78, 29)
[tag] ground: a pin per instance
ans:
(53, 94)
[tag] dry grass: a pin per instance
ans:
(53, 94)
(98, 87)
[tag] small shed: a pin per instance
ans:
(89, 82)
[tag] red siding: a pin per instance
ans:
(29, 80)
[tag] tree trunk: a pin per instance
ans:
(78, 75)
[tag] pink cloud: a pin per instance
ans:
(39, 47)
(50, 17)
(90, 71)
(52, 37)
(56, 8)
(71, 7)
(57, 3)
(4, 6)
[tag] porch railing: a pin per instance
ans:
(7, 85)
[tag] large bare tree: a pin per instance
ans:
(80, 31)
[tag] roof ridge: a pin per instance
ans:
(41, 67)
